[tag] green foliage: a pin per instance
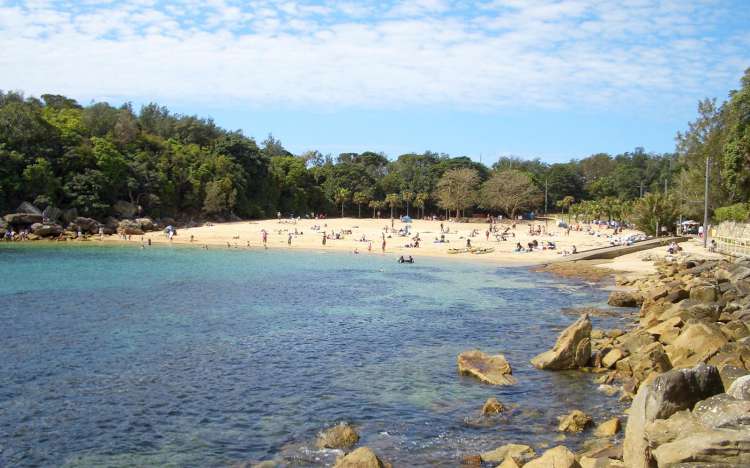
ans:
(737, 212)
(510, 191)
(457, 189)
(655, 210)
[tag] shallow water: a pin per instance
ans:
(117, 356)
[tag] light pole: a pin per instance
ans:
(705, 203)
(545, 196)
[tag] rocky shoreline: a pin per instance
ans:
(683, 364)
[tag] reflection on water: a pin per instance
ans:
(115, 356)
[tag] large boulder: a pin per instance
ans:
(46, 230)
(720, 448)
(493, 370)
(147, 224)
(723, 411)
(558, 457)
(697, 342)
(86, 225)
(704, 293)
(363, 457)
(341, 436)
(572, 348)
(669, 393)
(608, 428)
(492, 406)
(624, 299)
(125, 209)
(27, 207)
(129, 227)
(23, 219)
(740, 388)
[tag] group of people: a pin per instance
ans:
(12, 235)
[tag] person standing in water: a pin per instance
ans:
(289, 239)
(324, 238)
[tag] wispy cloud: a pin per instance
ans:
(478, 55)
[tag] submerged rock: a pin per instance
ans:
(624, 299)
(608, 428)
(518, 452)
(341, 436)
(494, 369)
(572, 348)
(492, 406)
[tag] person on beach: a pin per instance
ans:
(468, 243)
(289, 239)
(369, 247)
(264, 237)
(324, 238)
(382, 247)
(149, 241)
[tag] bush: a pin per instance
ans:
(738, 212)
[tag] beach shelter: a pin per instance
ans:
(406, 219)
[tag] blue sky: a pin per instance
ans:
(550, 79)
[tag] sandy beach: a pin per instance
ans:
(308, 234)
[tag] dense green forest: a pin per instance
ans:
(55, 152)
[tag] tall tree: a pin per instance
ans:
(510, 190)
(457, 189)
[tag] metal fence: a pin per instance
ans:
(733, 239)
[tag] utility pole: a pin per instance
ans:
(545, 196)
(641, 189)
(705, 203)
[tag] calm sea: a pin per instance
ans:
(117, 356)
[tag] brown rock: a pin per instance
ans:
(471, 460)
(576, 421)
(492, 406)
(735, 330)
(558, 457)
(509, 462)
(624, 299)
(363, 457)
(341, 436)
(611, 358)
(493, 370)
(697, 343)
(572, 348)
(516, 451)
(713, 448)
(704, 294)
(608, 428)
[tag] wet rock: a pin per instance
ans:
(518, 452)
(601, 462)
(608, 428)
(341, 436)
(471, 460)
(575, 421)
(494, 370)
(611, 358)
(492, 406)
(740, 388)
(558, 457)
(22, 219)
(363, 457)
(572, 348)
(624, 299)
(673, 391)
(509, 462)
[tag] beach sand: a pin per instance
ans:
(241, 234)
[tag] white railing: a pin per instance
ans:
(736, 247)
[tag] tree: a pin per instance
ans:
(653, 211)
(342, 196)
(565, 204)
(376, 206)
(40, 181)
(510, 190)
(407, 196)
(360, 198)
(221, 197)
(420, 201)
(457, 189)
(392, 200)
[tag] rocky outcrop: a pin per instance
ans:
(624, 299)
(740, 388)
(493, 370)
(363, 457)
(146, 224)
(85, 225)
(129, 227)
(492, 406)
(341, 436)
(22, 219)
(558, 457)
(669, 393)
(608, 428)
(575, 421)
(46, 230)
(572, 348)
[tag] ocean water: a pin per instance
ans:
(117, 356)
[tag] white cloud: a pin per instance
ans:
(486, 55)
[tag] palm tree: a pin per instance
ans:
(407, 196)
(565, 203)
(392, 200)
(342, 196)
(360, 198)
(420, 201)
(376, 205)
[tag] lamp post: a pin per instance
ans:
(705, 203)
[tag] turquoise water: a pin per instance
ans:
(117, 356)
